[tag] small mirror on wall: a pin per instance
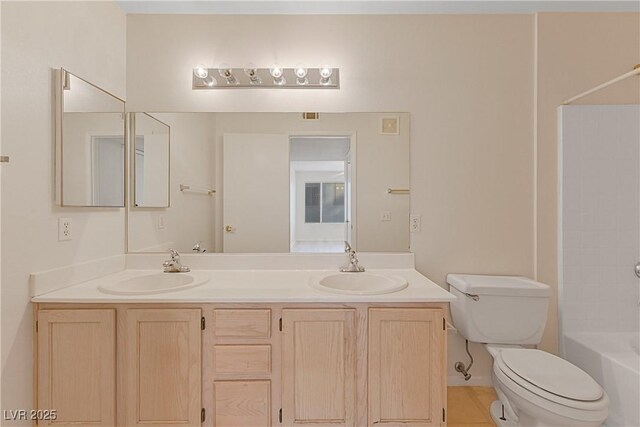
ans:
(151, 148)
(90, 144)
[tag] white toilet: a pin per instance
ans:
(535, 388)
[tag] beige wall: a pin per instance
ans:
(0, 202)
(468, 82)
(88, 38)
(575, 52)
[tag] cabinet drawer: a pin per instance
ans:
(242, 323)
(242, 403)
(242, 359)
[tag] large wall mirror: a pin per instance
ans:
(279, 183)
(90, 144)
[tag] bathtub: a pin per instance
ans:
(613, 360)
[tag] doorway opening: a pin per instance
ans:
(320, 193)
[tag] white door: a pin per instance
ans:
(255, 193)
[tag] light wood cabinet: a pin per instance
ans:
(242, 359)
(244, 323)
(256, 365)
(242, 403)
(406, 367)
(162, 373)
(76, 363)
(318, 367)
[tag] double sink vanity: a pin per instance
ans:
(244, 347)
(264, 329)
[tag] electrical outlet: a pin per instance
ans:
(385, 216)
(160, 222)
(415, 223)
(64, 229)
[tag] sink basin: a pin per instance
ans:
(153, 284)
(359, 283)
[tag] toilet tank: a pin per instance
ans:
(499, 309)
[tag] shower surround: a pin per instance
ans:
(599, 246)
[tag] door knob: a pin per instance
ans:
(638, 269)
(228, 229)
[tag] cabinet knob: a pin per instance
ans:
(228, 229)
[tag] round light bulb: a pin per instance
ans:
(300, 71)
(276, 71)
(201, 71)
(209, 81)
(326, 71)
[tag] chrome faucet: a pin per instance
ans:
(174, 265)
(198, 248)
(353, 266)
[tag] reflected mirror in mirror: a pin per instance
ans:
(151, 149)
(276, 183)
(90, 144)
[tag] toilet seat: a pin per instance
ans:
(550, 377)
(532, 405)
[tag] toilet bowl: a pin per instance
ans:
(544, 390)
(535, 388)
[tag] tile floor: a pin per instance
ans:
(469, 406)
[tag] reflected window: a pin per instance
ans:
(324, 202)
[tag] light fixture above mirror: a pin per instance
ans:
(275, 77)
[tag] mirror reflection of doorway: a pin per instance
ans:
(320, 192)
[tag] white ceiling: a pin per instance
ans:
(372, 7)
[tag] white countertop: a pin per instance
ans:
(250, 286)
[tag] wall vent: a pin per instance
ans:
(390, 125)
(310, 116)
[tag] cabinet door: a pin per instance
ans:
(318, 367)
(162, 381)
(77, 366)
(406, 367)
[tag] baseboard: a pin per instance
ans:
(475, 381)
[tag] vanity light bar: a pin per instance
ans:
(276, 77)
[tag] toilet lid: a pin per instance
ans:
(552, 374)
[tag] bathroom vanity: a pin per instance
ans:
(246, 348)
